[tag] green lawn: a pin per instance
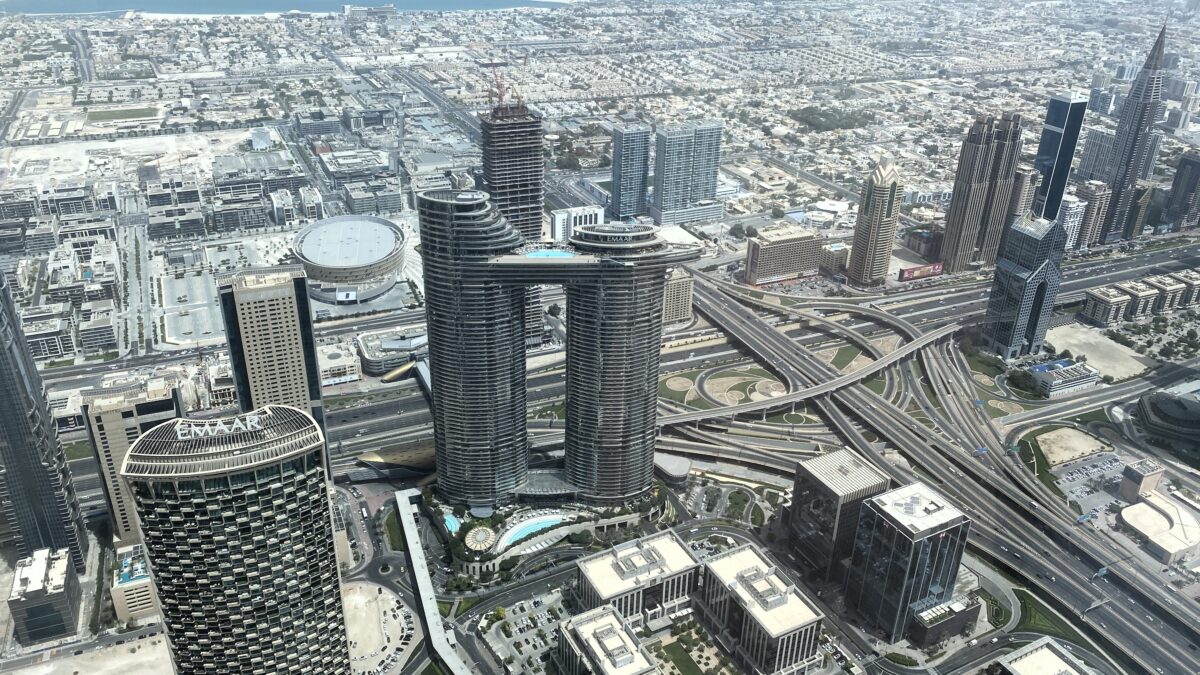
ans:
(1031, 451)
(1036, 617)
(671, 394)
(998, 615)
(394, 535)
(985, 365)
(466, 604)
(121, 114)
(445, 607)
(682, 660)
(757, 517)
(876, 383)
(433, 669)
(78, 450)
(844, 356)
(901, 659)
(555, 411)
(1097, 415)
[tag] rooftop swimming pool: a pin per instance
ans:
(550, 253)
(452, 523)
(528, 527)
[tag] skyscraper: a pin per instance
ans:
(1096, 193)
(983, 183)
(1184, 203)
(41, 497)
(114, 418)
(687, 159)
(513, 166)
(514, 173)
(630, 170)
(875, 229)
(268, 324)
(907, 549)
(1024, 288)
(1026, 183)
(235, 514)
(1070, 214)
(476, 268)
(1132, 149)
(1060, 134)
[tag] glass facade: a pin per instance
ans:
(1060, 135)
(1024, 287)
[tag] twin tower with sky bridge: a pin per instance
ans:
(477, 269)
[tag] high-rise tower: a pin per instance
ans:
(1184, 203)
(1096, 193)
(983, 183)
(477, 266)
(40, 504)
(875, 229)
(514, 172)
(235, 514)
(630, 170)
(1024, 288)
(1133, 151)
(1056, 149)
(268, 324)
(687, 159)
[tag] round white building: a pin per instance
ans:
(350, 259)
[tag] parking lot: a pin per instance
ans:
(1092, 481)
(527, 632)
(380, 627)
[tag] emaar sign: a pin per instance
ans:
(187, 432)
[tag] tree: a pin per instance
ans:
(737, 230)
(1064, 354)
(554, 310)
(777, 212)
(751, 231)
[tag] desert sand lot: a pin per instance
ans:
(1102, 353)
(1066, 444)
(143, 657)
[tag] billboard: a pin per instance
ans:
(921, 272)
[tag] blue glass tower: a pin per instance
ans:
(1060, 134)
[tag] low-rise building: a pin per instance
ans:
(1105, 306)
(386, 350)
(1043, 657)
(835, 257)
(648, 580)
(98, 335)
(337, 364)
(1170, 292)
(49, 339)
(1169, 527)
(1171, 416)
(174, 222)
(826, 498)
(132, 589)
(601, 642)
(944, 621)
(382, 195)
(677, 297)
(1191, 287)
(759, 615)
(1062, 377)
(564, 221)
(44, 601)
(316, 122)
(311, 203)
(229, 215)
(1141, 476)
(782, 253)
(283, 207)
(353, 165)
(1141, 299)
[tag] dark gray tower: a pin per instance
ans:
(477, 268)
(983, 183)
(630, 169)
(1025, 286)
(235, 513)
(514, 175)
(476, 349)
(1184, 203)
(614, 338)
(1056, 149)
(1134, 151)
(40, 504)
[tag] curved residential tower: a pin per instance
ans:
(236, 518)
(476, 269)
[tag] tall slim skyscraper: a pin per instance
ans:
(687, 159)
(1026, 183)
(514, 174)
(1132, 149)
(1183, 205)
(1096, 193)
(41, 505)
(114, 418)
(268, 324)
(875, 229)
(1024, 288)
(1060, 134)
(983, 183)
(907, 549)
(615, 276)
(1070, 214)
(630, 170)
(236, 517)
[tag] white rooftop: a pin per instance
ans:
(636, 563)
(844, 472)
(609, 643)
(1044, 657)
(917, 507)
(773, 601)
(43, 571)
(1165, 521)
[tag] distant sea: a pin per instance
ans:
(246, 6)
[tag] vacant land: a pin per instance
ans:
(1063, 445)
(1102, 353)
